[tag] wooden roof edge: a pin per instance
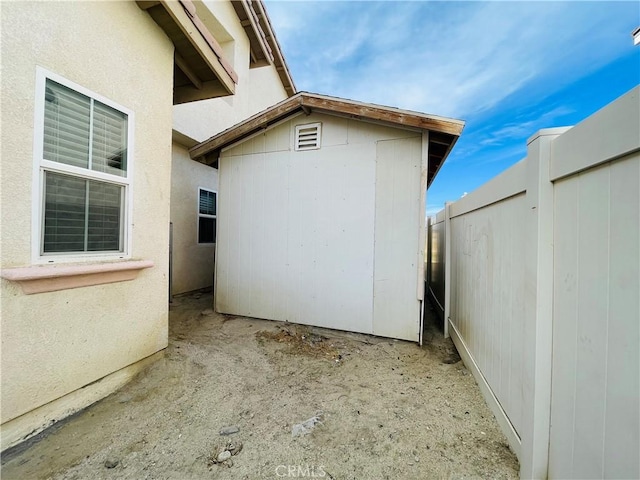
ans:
(279, 61)
(254, 123)
(250, 21)
(398, 116)
(190, 10)
(183, 15)
(330, 105)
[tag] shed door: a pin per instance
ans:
(396, 308)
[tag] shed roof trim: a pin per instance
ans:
(444, 132)
(322, 103)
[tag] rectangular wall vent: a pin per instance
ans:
(308, 136)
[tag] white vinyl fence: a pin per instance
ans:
(435, 259)
(542, 295)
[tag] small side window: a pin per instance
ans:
(207, 205)
(308, 136)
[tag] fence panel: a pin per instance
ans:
(436, 265)
(595, 407)
(543, 296)
(486, 291)
(487, 296)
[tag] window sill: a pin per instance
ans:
(50, 278)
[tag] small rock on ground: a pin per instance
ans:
(229, 430)
(224, 455)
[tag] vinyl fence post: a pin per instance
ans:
(447, 266)
(538, 322)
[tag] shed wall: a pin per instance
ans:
(297, 228)
(396, 307)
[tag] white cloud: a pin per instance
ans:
(447, 58)
(521, 129)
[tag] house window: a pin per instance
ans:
(308, 136)
(207, 204)
(84, 167)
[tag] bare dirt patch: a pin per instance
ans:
(300, 340)
(386, 409)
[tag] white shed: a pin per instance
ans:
(321, 215)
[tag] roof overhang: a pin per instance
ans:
(260, 50)
(443, 132)
(264, 47)
(201, 70)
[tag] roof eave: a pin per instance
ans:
(183, 27)
(263, 44)
(278, 57)
(445, 131)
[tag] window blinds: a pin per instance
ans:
(207, 202)
(83, 132)
(81, 215)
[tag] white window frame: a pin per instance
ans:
(204, 215)
(40, 166)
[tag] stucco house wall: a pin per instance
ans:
(55, 343)
(192, 262)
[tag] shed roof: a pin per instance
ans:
(443, 132)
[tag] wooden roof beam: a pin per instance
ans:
(191, 75)
(258, 44)
(278, 59)
(198, 51)
(147, 4)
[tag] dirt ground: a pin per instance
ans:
(387, 410)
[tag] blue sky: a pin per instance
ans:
(507, 68)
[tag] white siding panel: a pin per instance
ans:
(366, 132)
(296, 234)
(276, 199)
(595, 425)
(487, 295)
(278, 139)
(397, 216)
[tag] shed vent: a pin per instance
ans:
(308, 136)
